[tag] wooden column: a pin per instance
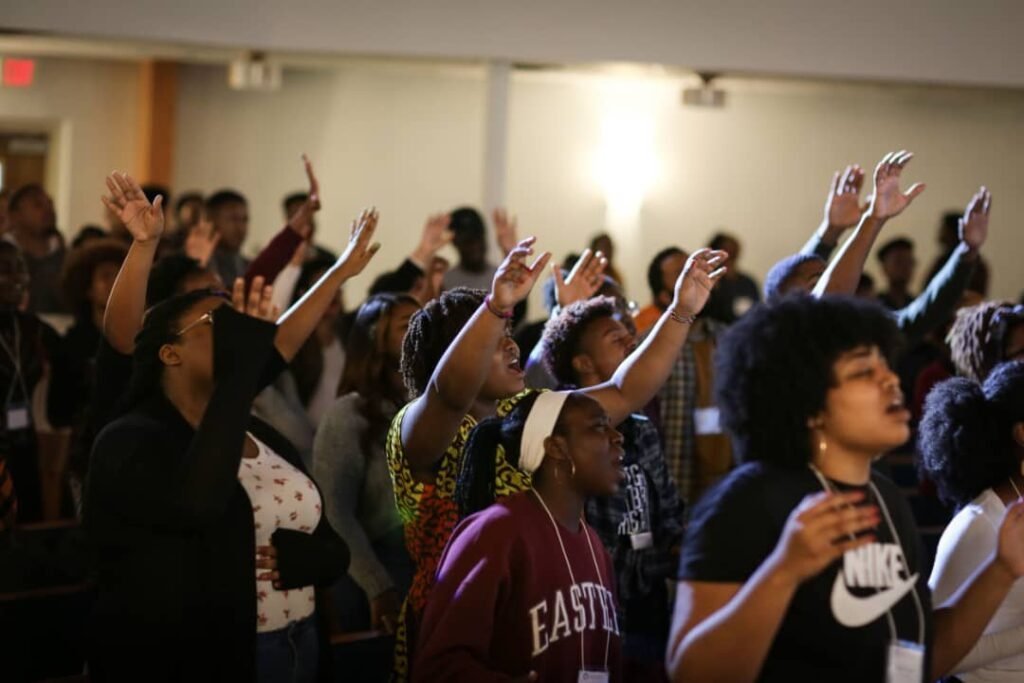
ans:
(158, 100)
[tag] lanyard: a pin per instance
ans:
(572, 577)
(15, 355)
(829, 488)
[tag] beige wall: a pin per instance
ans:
(410, 141)
(90, 108)
(760, 166)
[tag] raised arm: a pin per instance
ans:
(723, 631)
(582, 282)
(301, 319)
(644, 371)
(842, 211)
(123, 316)
(936, 303)
(433, 419)
(279, 251)
(887, 201)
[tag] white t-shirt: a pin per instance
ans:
(966, 544)
(281, 497)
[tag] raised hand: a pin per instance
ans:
(820, 529)
(974, 224)
(505, 230)
(260, 301)
(1010, 552)
(143, 220)
(702, 270)
(584, 279)
(434, 236)
(361, 247)
(888, 201)
(514, 278)
(201, 242)
(842, 206)
(302, 220)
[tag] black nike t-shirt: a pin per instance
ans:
(836, 627)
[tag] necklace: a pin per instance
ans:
(1015, 489)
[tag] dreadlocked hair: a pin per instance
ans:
(976, 341)
(965, 438)
(562, 335)
(159, 327)
(431, 332)
(492, 438)
(367, 365)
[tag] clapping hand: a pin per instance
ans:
(973, 228)
(820, 529)
(584, 279)
(143, 220)
(888, 201)
(702, 270)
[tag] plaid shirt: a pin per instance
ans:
(647, 502)
(677, 400)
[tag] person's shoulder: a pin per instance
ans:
(496, 525)
(346, 410)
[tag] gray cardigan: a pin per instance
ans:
(358, 498)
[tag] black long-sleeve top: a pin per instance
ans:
(173, 529)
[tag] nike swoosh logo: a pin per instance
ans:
(853, 612)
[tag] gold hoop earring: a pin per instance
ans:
(822, 444)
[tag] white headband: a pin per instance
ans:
(539, 425)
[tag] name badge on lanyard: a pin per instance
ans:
(592, 677)
(17, 417)
(906, 663)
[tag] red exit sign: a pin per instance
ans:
(18, 73)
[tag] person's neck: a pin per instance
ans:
(899, 290)
(34, 244)
(190, 403)
(844, 466)
(565, 504)
(473, 267)
(482, 409)
(1008, 489)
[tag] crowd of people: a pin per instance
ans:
(690, 490)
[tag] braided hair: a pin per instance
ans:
(431, 331)
(159, 327)
(965, 440)
(474, 488)
(978, 337)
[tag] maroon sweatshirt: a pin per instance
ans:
(504, 603)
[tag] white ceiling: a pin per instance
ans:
(925, 41)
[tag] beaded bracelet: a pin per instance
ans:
(490, 307)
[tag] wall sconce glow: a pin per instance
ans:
(626, 164)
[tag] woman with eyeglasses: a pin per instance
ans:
(208, 535)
